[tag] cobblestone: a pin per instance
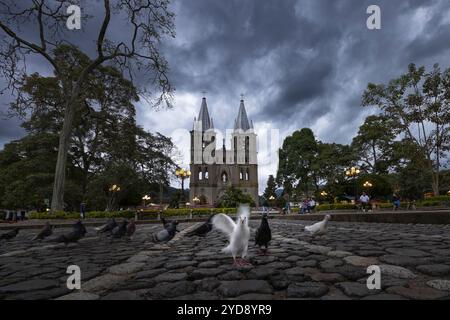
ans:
(414, 262)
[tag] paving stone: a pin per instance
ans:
(384, 296)
(171, 289)
(122, 295)
(255, 296)
(171, 277)
(306, 263)
(404, 261)
(237, 288)
(206, 272)
(231, 275)
(208, 264)
(79, 295)
(396, 271)
(149, 273)
(306, 290)
(261, 272)
(318, 249)
(354, 289)
(339, 254)
(126, 268)
(331, 263)
(104, 282)
(29, 285)
(326, 277)
(407, 252)
(435, 269)
(418, 293)
(361, 261)
(439, 284)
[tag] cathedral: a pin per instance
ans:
(214, 168)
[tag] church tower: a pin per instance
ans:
(214, 170)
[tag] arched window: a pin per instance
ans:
(247, 174)
(241, 174)
(224, 177)
(206, 174)
(200, 174)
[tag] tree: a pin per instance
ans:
(374, 143)
(233, 197)
(297, 157)
(419, 102)
(331, 162)
(106, 146)
(271, 188)
(148, 21)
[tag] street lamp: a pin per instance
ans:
(367, 184)
(353, 173)
(145, 198)
(114, 189)
(196, 200)
(323, 194)
(182, 174)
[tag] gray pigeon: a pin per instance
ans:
(45, 232)
(167, 233)
(120, 230)
(131, 228)
(78, 232)
(108, 227)
(203, 229)
(10, 234)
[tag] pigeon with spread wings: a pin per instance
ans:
(238, 233)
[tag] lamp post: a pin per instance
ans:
(367, 184)
(182, 174)
(353, 173)
(114, 189)
(145, 198)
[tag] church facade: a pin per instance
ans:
(214, 168)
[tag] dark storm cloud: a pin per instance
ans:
(299, 63)
(319, 55)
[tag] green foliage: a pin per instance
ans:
(233, 197)
(106, 145)
(271, 188)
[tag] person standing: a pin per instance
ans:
(396, 201)
(364, 200)
(311, 205)
(83, 210)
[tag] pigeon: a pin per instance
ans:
(120, 230)
(238, 233)
(318, 228)
(45, 232)
(167, 233)
(131, 228)
(203, 229)
(78, 232)
(108, 227)
(10, 234)
(263, 234)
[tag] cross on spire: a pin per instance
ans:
(242, 96)
(204, 93)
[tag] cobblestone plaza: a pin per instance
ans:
(414, 262)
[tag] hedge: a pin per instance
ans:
(130, 213)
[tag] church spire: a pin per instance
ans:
(242, 119)
(203, 116)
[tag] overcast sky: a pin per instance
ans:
(298, 63)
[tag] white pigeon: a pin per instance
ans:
(238, 233)
(318, 228)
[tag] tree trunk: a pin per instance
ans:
(61, 162)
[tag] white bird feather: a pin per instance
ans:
(238, 232)
(319, 228)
